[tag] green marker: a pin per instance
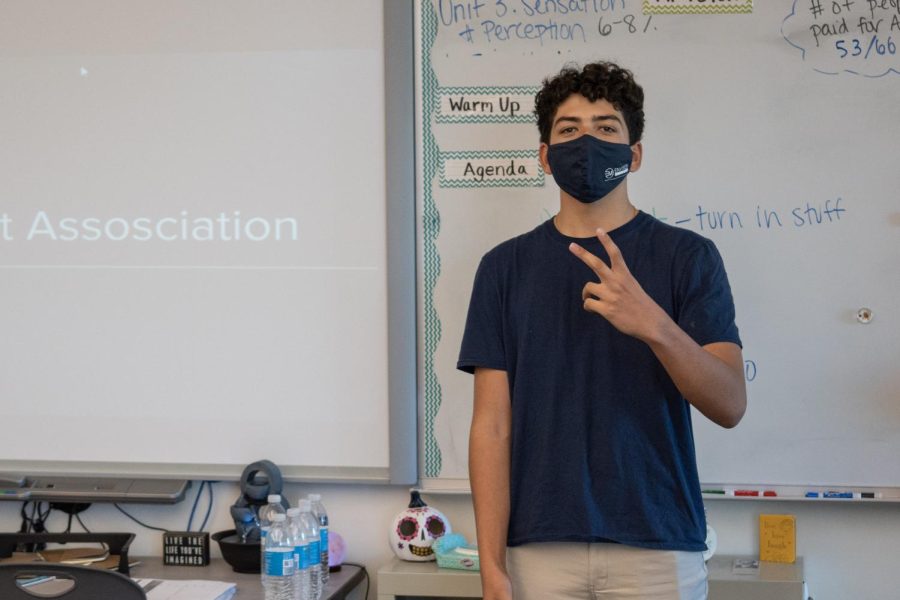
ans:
(722, 492)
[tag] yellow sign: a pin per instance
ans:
(778, 538)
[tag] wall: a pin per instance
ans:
(850, 551)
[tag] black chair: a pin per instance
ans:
(69, 582)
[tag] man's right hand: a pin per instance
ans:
(496, 588)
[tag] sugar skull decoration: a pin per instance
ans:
(415, 529)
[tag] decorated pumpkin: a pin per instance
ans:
(415, 529)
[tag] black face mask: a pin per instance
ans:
(587, 168)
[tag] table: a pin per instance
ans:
(773, 581)
(249, 587)
(402, 578)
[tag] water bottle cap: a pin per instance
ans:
(293, 512)
(315, 497)
(277, 517)
(305, 506)
(274, 498)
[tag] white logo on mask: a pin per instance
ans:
(612, 173)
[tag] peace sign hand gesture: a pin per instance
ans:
(618, 297)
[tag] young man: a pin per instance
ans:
(589, 338)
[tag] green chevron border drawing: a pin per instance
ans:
(431, 261)
(693, 7)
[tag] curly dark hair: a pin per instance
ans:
(595, 81)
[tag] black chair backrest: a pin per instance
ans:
(67, 582)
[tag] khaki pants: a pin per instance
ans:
(550, 571)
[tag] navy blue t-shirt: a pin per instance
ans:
(602, 445)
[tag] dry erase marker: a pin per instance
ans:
(746, 492)
(713, 491)
(838, 495)
(867, 495)
(812, 494)
(769, 493)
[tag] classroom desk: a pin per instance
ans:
(340, 584)
(772, 582)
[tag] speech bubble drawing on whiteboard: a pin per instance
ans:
(860, 37)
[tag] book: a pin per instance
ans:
(778, 538)
(75, 556)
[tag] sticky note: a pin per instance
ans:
(778, 538)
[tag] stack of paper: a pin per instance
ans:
(168, 589)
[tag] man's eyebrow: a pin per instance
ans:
(594, 119)
(568, 120)
(615, 118)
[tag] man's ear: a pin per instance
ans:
(542, 156)
(637, 155)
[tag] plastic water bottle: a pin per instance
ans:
(278, 570)
(318, 510)
(302, 583)
(310, 531)
(266, 514)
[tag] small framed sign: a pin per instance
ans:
(186, 548)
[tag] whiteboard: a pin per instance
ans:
(194, 205)
(769, 130)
